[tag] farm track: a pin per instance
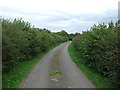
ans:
(59, 60)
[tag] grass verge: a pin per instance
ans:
(97, 79)
(14, 78)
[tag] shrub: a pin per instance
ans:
(100, 48)
(21, 42)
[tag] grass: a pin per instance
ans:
(54, 73)
(55, 63)
(97, 79)
(14, 78)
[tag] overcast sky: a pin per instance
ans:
(56, 15)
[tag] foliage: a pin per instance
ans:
(17, 75)
(63, 33)
(100, 48)
(71, 36)
(21, 42)
(99, 80)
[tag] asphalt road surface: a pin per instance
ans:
(59, 60)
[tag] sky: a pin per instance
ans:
(56, 15)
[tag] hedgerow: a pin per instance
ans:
(101, 49)
(21, 42)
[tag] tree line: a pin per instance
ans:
(100, 50)
(21, 42)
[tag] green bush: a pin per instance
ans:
(21, 42)
(100, 48)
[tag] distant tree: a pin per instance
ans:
(46, 30)
(76, 34)
(63, 33)
(70, 36)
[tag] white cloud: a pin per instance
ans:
(71, 15)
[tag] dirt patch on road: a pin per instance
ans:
(55, 75)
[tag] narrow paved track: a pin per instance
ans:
(57, 59)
